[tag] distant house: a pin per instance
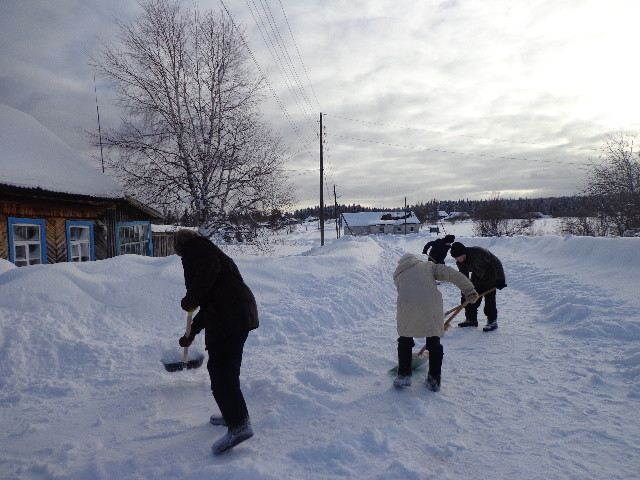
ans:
(54, 207)
(365, 223)
(442, 214)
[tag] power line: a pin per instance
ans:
(299, 55)
(454, 152)
(475, 137)
(284, 49)
(273, 93)
(289, 82)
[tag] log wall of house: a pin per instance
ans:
(54, 213)
(163, 244)
(4, 240)
(56, 209)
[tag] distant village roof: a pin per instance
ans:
(31, 156)
(363, 219)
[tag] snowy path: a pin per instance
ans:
(551, 394)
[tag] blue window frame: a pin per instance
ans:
(134, 237)
(80, 241)
(27, 241)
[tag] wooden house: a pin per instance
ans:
(365, 223)
(54, 207)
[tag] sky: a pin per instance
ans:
(430, 99)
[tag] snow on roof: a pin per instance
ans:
(363, 219)
(170, 228)
(31, 156)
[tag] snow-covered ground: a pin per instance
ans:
(552, 394)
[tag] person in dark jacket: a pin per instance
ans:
(228, 312)
(439, 248)
(486, 272)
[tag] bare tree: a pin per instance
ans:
(615, 184)
(192, 133)
(492, 219)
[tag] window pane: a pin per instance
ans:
(21, 253)
(84, 251)
(23, 233)
(34, 252)
(21, 263)
(33, 233)
(79, 233)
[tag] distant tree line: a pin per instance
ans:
(519, 208)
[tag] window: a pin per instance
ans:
(27, 241)
(80, 241)
(134, 237)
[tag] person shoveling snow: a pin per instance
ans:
(228, 312)
(419, 313)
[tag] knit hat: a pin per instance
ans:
(458, 249)
(449, 238)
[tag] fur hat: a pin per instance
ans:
(449, 238)
(458, 249)
(181, 237)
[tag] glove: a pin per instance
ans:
(500, 284)
(186, 341)
(472, 297)
(187, 305)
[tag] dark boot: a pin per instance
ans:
(468, 323)
(490, 326)
(436, 353)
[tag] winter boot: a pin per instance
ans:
(490, 326)
(233, 437)
(432, 384)
(468, 323)
(402, 381)
(217, 420)
(435, 368)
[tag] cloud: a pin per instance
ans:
(443, 99)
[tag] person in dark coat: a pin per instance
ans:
(228, 312)
(486, 272)
(439, 248)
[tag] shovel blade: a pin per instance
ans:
(173, 365)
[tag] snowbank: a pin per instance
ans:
(83, 393)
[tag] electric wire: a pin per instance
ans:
(299, 55)
(289, 82)
(267, 9)
(255, 61)
(476, 137)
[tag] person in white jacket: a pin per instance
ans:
(419, 313)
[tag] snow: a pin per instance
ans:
(553, 393)
(31, 156)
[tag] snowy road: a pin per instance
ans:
(553, 393)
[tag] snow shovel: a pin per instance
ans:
(187, 362)
(417, 360)
(456, 310)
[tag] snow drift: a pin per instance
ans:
(83, 393)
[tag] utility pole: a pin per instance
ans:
(405, 215)
(321, 185)
(95, 90)
(335, 209)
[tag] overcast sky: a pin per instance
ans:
(424, 99)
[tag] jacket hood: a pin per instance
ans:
(407, 261)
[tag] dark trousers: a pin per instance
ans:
(225, 359)
(405, 350)
(490, 309)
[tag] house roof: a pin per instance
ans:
(31, 156)
(363, 219)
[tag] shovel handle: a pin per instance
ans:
(187, 332)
